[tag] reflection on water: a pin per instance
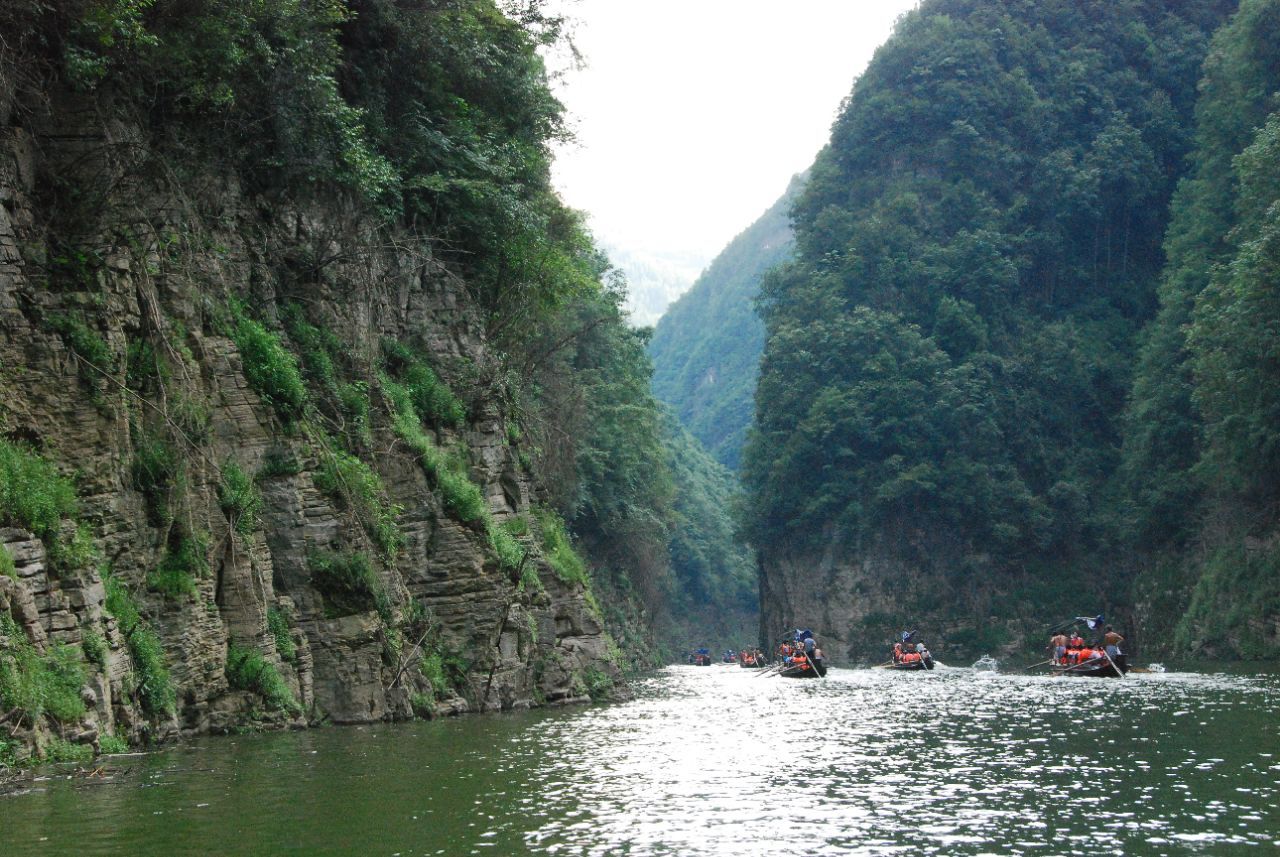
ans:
(720, 761)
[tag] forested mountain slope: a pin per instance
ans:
(1202, 446)
(312, 393)
(948, 358)
(706, 347)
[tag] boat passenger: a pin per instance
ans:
(1077, 642)
(800, 661)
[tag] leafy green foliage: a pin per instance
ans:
(1237, 591)
(270, 369)
(154, 683)
(249, 670)
(278, 625)
(349, 480)
(95, 648)
(35, 497)
(38, 684)
(558, 549)
(715, 570)
(32, 493)
(239, 498)
(1217, 250)
(184, 562)
(431, 398)
(977, 249)
(85, 342)
(462, 498)
(158, 473)
(6, 563)
(112, 745)
(1202, 446)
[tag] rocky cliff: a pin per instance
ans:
(235, 555)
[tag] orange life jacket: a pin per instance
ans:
(800, 661)
(910, 658)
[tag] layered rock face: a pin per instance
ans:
(859, 597)
(101, 241)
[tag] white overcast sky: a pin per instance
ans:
(692, 115)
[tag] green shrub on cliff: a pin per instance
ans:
(558, 549)
(351, 481)
(239, 498)
(249, 670)
(38, 683)
(6, 563)
(157, 472)
(184, 562)
(34, 497)
(270, 369)
(278, 625)
(32, 494)
(87, 343)
(154, 686)
(431, 397)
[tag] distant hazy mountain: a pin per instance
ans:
(654, 280)
(706, 348)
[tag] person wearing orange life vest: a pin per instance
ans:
(800, 662)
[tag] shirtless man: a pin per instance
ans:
(1112, 641)
(1058, 642)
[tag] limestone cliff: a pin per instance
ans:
(126, 283)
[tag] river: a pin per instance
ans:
(717, 761)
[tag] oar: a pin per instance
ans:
(1033, 666)
(1119, 672)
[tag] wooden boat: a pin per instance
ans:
(757, 664)
(811, 669)
(1099, 667)
(910, 660)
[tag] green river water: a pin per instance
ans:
(718, 761)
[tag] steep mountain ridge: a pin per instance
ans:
(706, 347)
(949, 357)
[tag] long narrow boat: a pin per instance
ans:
(1099, 667)
(810, 669)
(921, 664)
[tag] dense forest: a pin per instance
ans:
(706, 347)
(1023, 365)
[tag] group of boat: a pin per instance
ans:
(799, 656)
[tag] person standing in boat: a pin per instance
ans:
(1111, 640)
(1058, 644)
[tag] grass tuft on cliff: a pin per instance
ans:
(249, 670)
(269, 367)
(35, 683)
(153, 683)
